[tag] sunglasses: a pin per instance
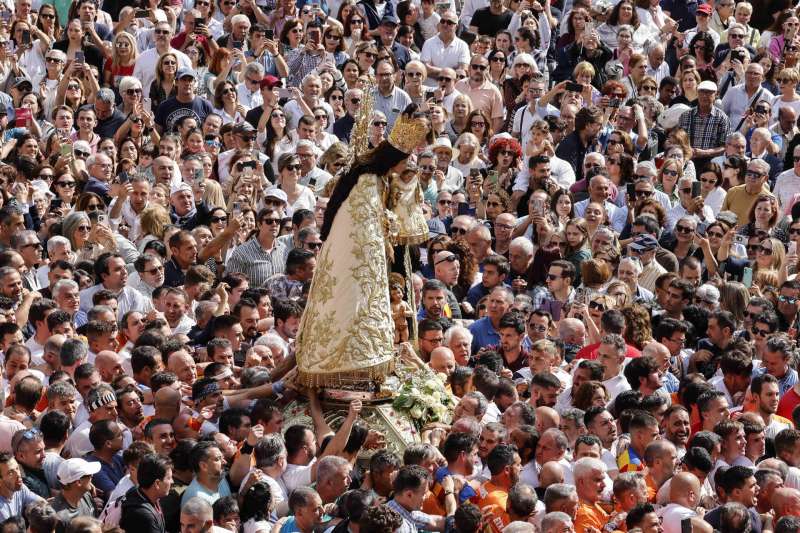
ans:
(684, 229)
(478, 67)
(448, 22)
(644, 194)
(786, 299)
(715, 234)
(271, 221)
(292, 167)
(765, 250)
(552, 277)
(758, 332)
(48, 16)
(217, 220)
(460, 231)
(81, 153)
(67, 184)
(477, 124)
(673, 173)
(380, 123)
(155, 270)
(132, 92)
(597, 305)
(448, 259)
(53, 60)
(314, 245)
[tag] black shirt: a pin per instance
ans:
(488, 23)
(108, 127)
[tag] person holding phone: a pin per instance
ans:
(690, 203)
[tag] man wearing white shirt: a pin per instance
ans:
(611, 354)
(145, 69)
(444, 49)
(788, 182)
(249, 90)
(599, 189)
(688, 207)
(683, 497)
(527, 115)
(656, 66)
(740, 98)
(702, 16)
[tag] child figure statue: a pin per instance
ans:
(401, 310)
(405, 201)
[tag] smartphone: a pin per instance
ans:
(238, 45)
(80, 57)
(199, 21)
(695, 189)
(686, 525)
(615, 102)
(65, 149)
(22, 115)
(737, 55)
(740, 239)
(26, 37)
(102, 218)
(793, 247)
(493, 178)
(142, 14)
(269, 33)
(123, 177)
(580, 295)
(631, 191)
(747, 277)
(574, 87)
(197, 175)
(56, 203)
(237, 208)
(429, 94)
(538, 207)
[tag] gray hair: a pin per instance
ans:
(61, 389)
(616, 341)
(17, 238)
(304, 143)
(129, 82)
(557, 492)
(626, 481)
(763, 133)
(518, 526)
(555, 520)
(500, 429)
(55, 241)
(236, 19)
(254, 376)
(625, 27)
(483, 403)
(107, 95)
(64, 284)
(574, 414)
(558, 436)
(350, 92)
(734, 515)
(271, 342)
(735, 136)
(96, 311)
(7, 271)
(198, 507)
(586, 465)
(329, 466)
(448, 335)
(523, 243)
(634, 262)
(254, 68)
(268, 450)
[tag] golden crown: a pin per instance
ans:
(408, 133)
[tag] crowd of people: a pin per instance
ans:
(608, 283)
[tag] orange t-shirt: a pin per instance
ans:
(652, 490)
(590, 516)
(432, 505)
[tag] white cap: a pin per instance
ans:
(183, 186)
(669, 118)
(72, 470)
(707, 86)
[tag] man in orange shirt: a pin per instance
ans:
(505, 465)
(661, 457)
(589, 482)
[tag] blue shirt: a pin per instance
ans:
(785, 383)
(196, 489)
(110, 474)
(17, 504)
(483, 334)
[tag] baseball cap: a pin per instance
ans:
(21, 80)
(274, 192)
(708, 294)
(72, 470)
(270, 82)
(184, 72)
(243, 127)
(707, 86)
(644, 243)
(389, 18)
(704, 8)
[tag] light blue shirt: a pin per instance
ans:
(196, 489)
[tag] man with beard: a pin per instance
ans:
(208, 404)
(176, 304)
(436, 303)
(573, 148)
(209, 481)
(766, 392)
(460, 450)
(505, 466)
(661, 458)
(642, 374)
(588, 370)
(131, 411)
(13, 493)
(29, 451)
(677, 427)
(246, 310)
(492, 434)
(287, 315)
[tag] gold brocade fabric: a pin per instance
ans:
(406, 203)
(346, 334)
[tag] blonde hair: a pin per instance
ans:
(778, 254)
(584, 67)
(115, 60)
(155, 219)
(213, 195)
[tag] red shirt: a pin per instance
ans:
(788, 402)
(590, 351)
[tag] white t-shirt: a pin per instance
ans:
(296, 476)
(145, 68)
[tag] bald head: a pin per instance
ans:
(786, 502)
(546, 418)
(551, 473)
(685, 489)
(442, 360)
(108, 365)
(167, 401)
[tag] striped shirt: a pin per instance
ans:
(258, 264)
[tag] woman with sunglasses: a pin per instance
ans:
(226, 103)
(164, 85)
(787, 80)
(415, 75)
(333, 41)
(299, 196)
(335, 99)
(497, 68)
(354, 27)
(711, 186)
(786, 38)
(123, 59)
(279, 140)
(64, 189)
(505, 157)
(478, 124)
(667, 180)
(365, 55)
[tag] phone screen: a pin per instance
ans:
(695, 189)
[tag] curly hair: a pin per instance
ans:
(583, 396)
(380, 519)
(501, 144)
(469, 267)
(660, 212)
(637, 326)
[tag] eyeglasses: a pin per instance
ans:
(53, 60)
(81, 153)
(736, 35)
(786, 299)
(715, 234)
(132, 92)
(644, 194)
(270, 221)
(614, 141)
(477, 124)
(509, 153)
(684, 229)
(686, 190)
(380, 123)
(292, 167)
(448, 22)
(414, 74)
(444, 79)
(753, 174)
(357, 22)
(314, 245)
(32, 244)
(498, 59)
(758, 332)
(161, 32)
(228, 91)
(478, 67)
(73, 86)
(765, 250)
(552, 277)
(67, 184)
(649, 88)
(460, 231)
(217, 220)
(448, 259)
(48, 16)
(155, 270)
(85, 228)
(794, 231)
(753, 247)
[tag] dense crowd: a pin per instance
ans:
(608, 280)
